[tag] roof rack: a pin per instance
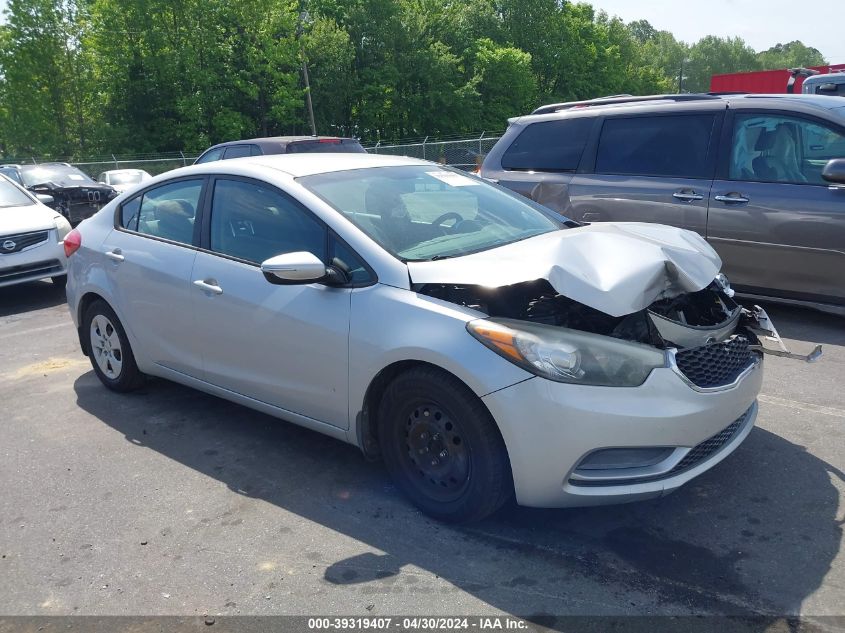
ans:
(557, 107)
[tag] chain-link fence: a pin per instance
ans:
(464, 153)
(153, 163)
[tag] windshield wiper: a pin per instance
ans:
(438, 257)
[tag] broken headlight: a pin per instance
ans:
(565, 355)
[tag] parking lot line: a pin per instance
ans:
(44, 328)
(802, 406)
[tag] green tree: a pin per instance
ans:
(504, 84)
(794, 54)
(716, 55)
(46, 74)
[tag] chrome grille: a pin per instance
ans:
(16, 243)
(702, 451)
(716, 364)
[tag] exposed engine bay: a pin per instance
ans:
(688, 321)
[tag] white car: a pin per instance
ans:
(123, 179)
(31, 238)
(481, 344)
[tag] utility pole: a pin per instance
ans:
(681, 76)
(303, 18)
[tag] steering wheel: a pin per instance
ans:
(450, 215)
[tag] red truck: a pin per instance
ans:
(769, 81)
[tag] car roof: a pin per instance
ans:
(278, 140)
(297, 165)
(659, 102)
(39, 165)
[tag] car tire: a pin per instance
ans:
(442, 447)
(109, 350)
(59, 281)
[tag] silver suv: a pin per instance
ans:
(756, 175)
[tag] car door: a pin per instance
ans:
(778, 226)
(284, 345)
(654, 167)
(149, 260)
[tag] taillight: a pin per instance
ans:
(73, 241)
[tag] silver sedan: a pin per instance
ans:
(481, 345)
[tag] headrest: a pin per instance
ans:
(765, 141)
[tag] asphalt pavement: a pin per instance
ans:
(172, 502)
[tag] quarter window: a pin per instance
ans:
(669, 146)
(771, 148)
(549, 146)
(253, 222)
(167, 211)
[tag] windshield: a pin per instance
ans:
(11, 174)
(11, 196)
(125, 177)
(62, 175)
(426, 212)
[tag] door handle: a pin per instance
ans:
(209, 285)
(732, 199)
(115, 255)
(687, 196)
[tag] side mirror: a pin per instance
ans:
(43, 198)
(294, 268)
(834, 171)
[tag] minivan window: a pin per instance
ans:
(549, 146)
(674, 146)
(785, 149)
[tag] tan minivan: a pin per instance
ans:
(761, 177)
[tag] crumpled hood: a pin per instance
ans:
(617, 268)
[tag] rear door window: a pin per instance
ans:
(549, 146)
(676, 146)
(210, 155)
(239, 151)
(167, 211)
(327, 146)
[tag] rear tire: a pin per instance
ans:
(442, 447)
(109, 349)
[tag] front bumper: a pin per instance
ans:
(550, 427)
(39, 261)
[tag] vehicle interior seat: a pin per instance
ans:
(778, 159)
(174, 220)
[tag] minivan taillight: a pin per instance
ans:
(73, 241)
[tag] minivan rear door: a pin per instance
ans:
(649, 167)
(777, 225)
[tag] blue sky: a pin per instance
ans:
(761, 23)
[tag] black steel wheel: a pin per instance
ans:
(442, 447)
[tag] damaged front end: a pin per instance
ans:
(705, 336)
(76, 203)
